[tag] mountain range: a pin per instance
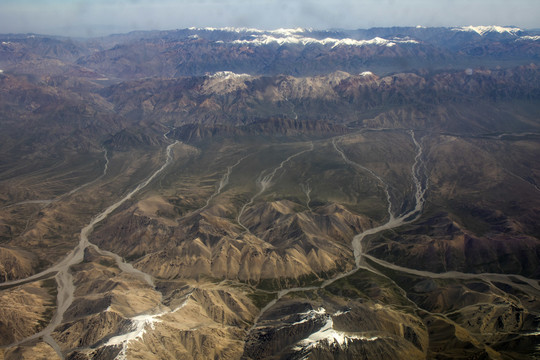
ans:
(285, 194)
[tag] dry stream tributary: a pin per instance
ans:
(66, 287)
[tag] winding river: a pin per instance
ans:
(66, 287)
(391, 223)
(64, 279)
(264, 182)
(420, 188)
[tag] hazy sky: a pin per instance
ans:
(100, 17)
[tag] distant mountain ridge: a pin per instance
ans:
(297, 52)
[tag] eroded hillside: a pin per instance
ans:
(234, 216)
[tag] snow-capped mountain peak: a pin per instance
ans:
(301, 40)
(483, 30)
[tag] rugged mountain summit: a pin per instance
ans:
(285, 194)
(336, 98)
(297, 52)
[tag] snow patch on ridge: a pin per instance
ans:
(330, 336)
(228, 29)
(340, 312)
(139, 326)
(296, 36)
(483, 30)
(310, 315)
(528, 38)
(289, 32)
(228, 75)
(280, 31)
(301, 40)
(224, 82)
(327, 333)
